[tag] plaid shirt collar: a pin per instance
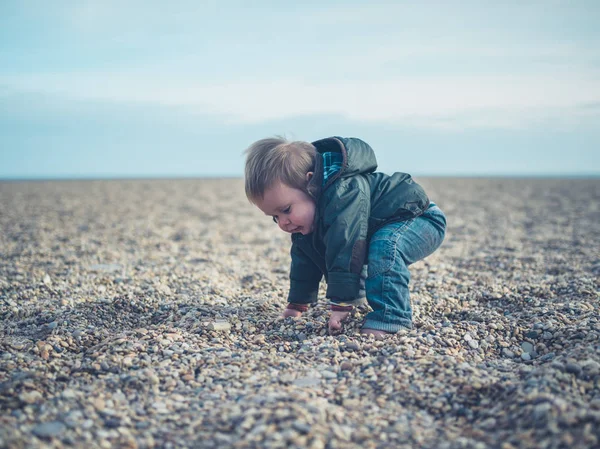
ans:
(332, 163)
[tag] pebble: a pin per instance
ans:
(527, 347)
(573, 368)
(508, 353)
(591, 367)
(473, 344)
(220, 325)
(301, 427)
(49, 429)
(352, 346)
(547, 357)
(328, 375)
(307, 381)
(346, 366)
(31, 397)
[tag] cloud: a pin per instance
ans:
(442, 101)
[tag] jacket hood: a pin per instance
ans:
(358, 157)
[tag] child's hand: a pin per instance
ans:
(290, 312)
(339, 314)
(294, 310)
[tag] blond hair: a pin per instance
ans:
(276, 159)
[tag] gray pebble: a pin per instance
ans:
(352, 346)
(573, 368)
(508, 353)
(301, 427)
(306, 381)
(328, 375)
(527, 347)
(49, 429)
(548, 356)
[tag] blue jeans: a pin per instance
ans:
(391, 250)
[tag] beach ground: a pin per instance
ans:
(144, 313)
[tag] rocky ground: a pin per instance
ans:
(144, 314)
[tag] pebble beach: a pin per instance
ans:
(144, 314)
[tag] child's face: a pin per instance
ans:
(292, 209)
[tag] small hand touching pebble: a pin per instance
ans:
(290, 313)
(336, 320)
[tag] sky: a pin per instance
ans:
(128, 88)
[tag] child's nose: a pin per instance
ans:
(284, 223)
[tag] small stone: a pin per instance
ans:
(489, 423)
(301, 427)
(526, 356)
(164, 289)
(220, 325)
(527, 347)
(346, 366)
(508, 353)
(112, 422)
(556, 364)
(591, 367)
(573, 368)
(328, 374)
(49, 429)
(154, 379)
(30, 397)
(160, 407)
(306, 381)
(317, 443)
(68, 394)
(540, 411)
(533, 334)
(301, 336)
(547, 357)
(473, 344)
(352, 346)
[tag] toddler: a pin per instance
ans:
(343, 215)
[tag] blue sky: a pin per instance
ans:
(145, 88)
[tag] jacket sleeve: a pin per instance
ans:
(305, 276)
(346, 218)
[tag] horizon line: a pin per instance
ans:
(231, 176)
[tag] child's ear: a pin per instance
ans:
(309, 176)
